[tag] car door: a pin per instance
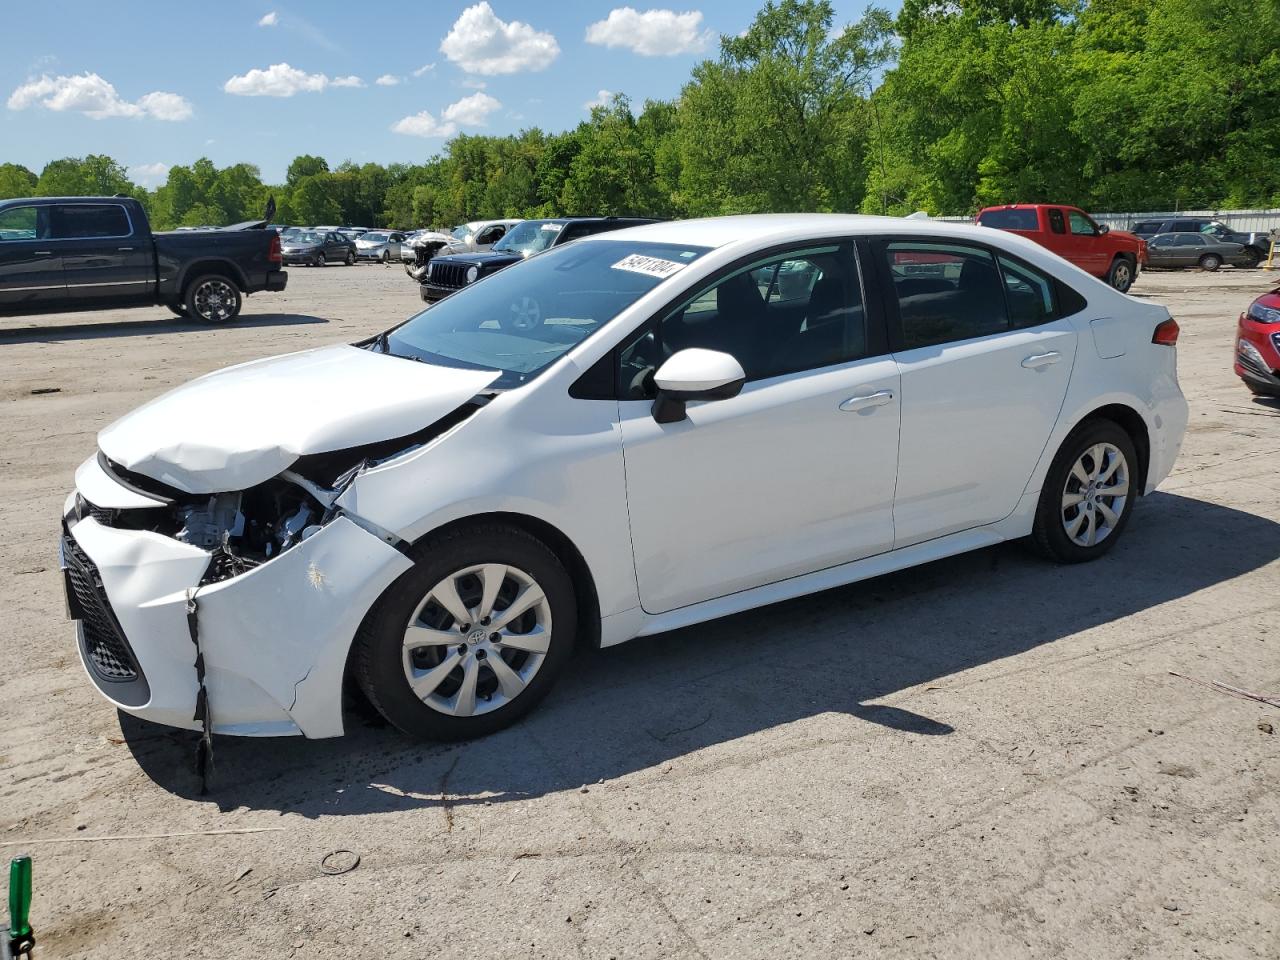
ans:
(1188, 248)
(1092, 255)
(104, 258)
(1162, 251)
(792, 475)
(336, 246)
(30, 266)
(985, 360)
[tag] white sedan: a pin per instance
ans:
(639, 431)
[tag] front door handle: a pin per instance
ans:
(125, 249)
(43, 253)
(1038, 360)
(877, 399)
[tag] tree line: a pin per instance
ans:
(951, 105)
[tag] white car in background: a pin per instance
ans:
(477, 236)
(382, 246)
(635, 432)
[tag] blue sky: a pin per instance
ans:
(157, 84)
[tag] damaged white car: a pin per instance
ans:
(631, 433)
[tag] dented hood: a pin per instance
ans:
(237, 427)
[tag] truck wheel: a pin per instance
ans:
(1253, 257)
(212, 298)
(1210, 262)
(1120, 275)
(180, 309)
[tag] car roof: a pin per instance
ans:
(755, 229)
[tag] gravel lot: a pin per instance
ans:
(985, 757)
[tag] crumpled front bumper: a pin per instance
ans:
(275, 639)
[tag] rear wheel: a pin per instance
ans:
(212, 298)
(1088, 494)
(1210, 262)
(471, 638)
(1120, 275)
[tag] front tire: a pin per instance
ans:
(320, 261)
(212, 298)
(1210, 262)
(1088, 494)
(351, 259)
(1253, 257)
(471, 638)
(1120, 276)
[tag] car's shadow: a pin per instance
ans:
(54, 333)
(632, 707)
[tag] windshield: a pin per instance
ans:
(305, 237)
(459, 232)
(524, 318)
(377, 237)
(529, 237)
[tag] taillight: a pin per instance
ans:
(273, 255)
(1166, 333)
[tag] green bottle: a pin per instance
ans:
(19, 899)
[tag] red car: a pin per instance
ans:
(1111, 255)
(1258, 345)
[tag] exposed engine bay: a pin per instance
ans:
(425, 247)
(246, 528)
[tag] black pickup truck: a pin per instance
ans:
(59, 254)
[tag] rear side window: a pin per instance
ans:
(1191, 240)
(1057, 223)
(1190, 226)
(1146, 226)
(1010, 219)
(945, 292)
(87, 221)
(1028, 292)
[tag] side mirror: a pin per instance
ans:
(695, 374)
(1103, 228)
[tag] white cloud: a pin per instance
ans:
(424, 125)
(472, 84)
(149, 174)
(269, 19)
(346, 82)
(472, 111)
(480, 42)
(653, 33)
(166, 106)
(278, 80)
(602, 100)
(425, 68)
(89, 94)
(388, 80)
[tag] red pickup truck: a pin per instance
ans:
(1111, 255)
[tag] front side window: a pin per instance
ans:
(23, 223)
(89, 221)
(1191, 240)
(799, 311)
(945, 292)
(1081, 225)
(520, 320)
(491, 234)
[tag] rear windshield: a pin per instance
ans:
(1009, 219)
(520, 320)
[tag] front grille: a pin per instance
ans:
(104, 640)
(442, 274)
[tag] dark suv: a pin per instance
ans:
(448, 274)
(1256, 244)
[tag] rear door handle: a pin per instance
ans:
(877, 399)
(125, 249)
(1038, 360)
(43, 253)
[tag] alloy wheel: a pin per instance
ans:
(477, 639)
(1123, 277)
(1095, 495)
(215, 300)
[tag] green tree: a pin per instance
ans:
(780, 121)
(16, 181)
(312, 200)
(96, 175)
(304, 166)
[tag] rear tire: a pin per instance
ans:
(489, 564)
(1120, 276)
(1210, 262)
(1088, 494)
(212, 298)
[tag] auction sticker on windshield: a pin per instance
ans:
(649, 266)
